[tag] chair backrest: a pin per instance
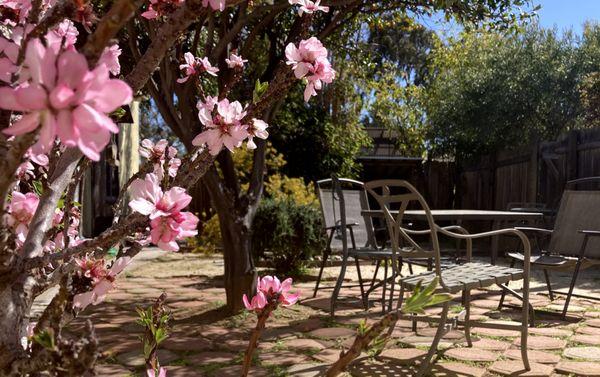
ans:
(398, 195)
(355, 199)
(578, 210)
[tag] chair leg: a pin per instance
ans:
(325, 257)
(426, 365)
(360, 283)
(410, 269)
(398, 306)
(385, 276)
(571, 288)
(375, 274)
(501, 303)
(338, 286)
(467, 304)
(548, 285)
(394, 275)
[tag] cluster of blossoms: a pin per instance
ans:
(235, 61)
(309, 61)
(162, 156)
(195, 66)
(224, 127)
(309, 6)
(20, 211)
(159, 8)
(168, 223)
(92, 273)
(269, 289)
(58, 94)
(26, 170)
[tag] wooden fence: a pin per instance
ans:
(536, 174)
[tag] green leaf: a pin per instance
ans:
(45, 339)
(113, 252)
(259, 90)
(38, 188)
(422, 298)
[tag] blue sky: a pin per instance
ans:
(565, 14)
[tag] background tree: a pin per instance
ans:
(488, 90)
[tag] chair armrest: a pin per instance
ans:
(545, 232)
(427, 231)
(590, 232)
(338, 226)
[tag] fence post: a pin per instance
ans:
(572, 162)
(533, 174)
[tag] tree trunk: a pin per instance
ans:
(15, 305)
(240, 273)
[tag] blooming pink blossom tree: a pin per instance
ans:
(69, 69)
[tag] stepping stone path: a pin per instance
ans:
(590, 340)
(588, 330)
(304, 344)
(303, 341)
(515, 368)
(489, 344)
(471, 354)
(404, 355)
(542, 343)
(579, 368)
(332, 333)
(447, 369)
(583, 353)
(534, 356)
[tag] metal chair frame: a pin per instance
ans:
(549, 260)
(450, 280)
(369, 251)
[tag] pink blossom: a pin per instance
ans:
(65, 99)
(62, 36)
(110, 58)
(26, 169)
(259, 301)
(258, 128)
(162, 372)
(149, 199)
(174, 165)
(154, 152)
(9, 51)
(159, 8)
(195, 66)
(309, 6)
(268, 289)
(166, 230)
(235, 61)
(223, 125)
(215, 4)
(20, 8)
(320, 73)
(102, 280)
(309, 60)
(21, 209)
(168, 224)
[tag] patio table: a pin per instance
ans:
(459, 215)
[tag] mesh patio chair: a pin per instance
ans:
(345, 206)
(574, 241)
(398, 195)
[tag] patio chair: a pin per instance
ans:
(396, 195)
(341, 210)
(574, 242)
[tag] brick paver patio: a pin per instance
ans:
(303, 340)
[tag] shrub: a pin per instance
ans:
(286, 234)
